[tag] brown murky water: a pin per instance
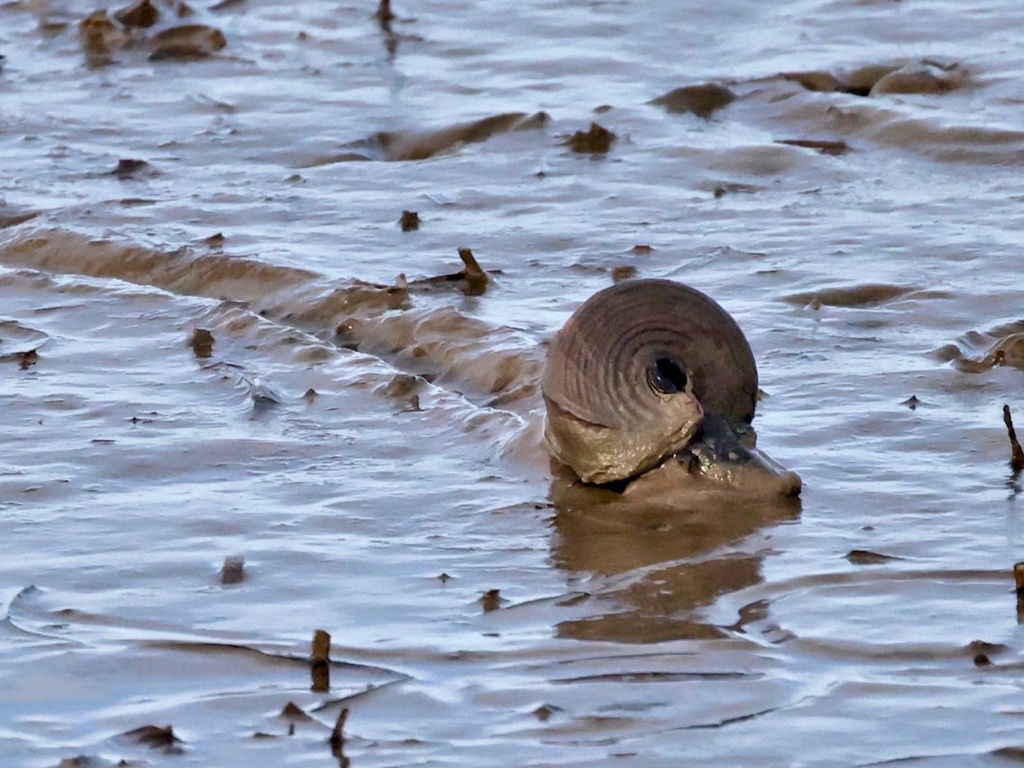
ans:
(845, 179)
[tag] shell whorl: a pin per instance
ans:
(633, 363)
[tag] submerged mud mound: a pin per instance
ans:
(431, 341)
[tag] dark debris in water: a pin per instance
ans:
(294, 713)
(472, 280)
(233, 570)
(201, 342)
(102, 36)
(545, 711)
(133, 168)
(623, 272)
(596, 140)
(320, 661)
(700, 100)
(724, 188)
(491, 600)
(156, 737)
(867, 557)
(139, 15)
(410, 221)
(1016, 452)
(215, 241)
(337, 737)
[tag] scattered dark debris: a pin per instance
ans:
(132, 168)
(1018, 577)
(139, 15)
(603, 109)
(15, 219)
(294, 713)
(201, 343)
(183, 10)
(545, 711)
(982, 647)
(92, 761)
(444, 578)
(155, 737)
(867, 557)
(100, 37)
(320, 661)
(726, 187)
(642, 250)
(597, 140)
(824, 146)
(188, 42)
(700, 100)
(25, 359)
(471, 279)
(337, 737)
(215, 241)
(310, 395)
(410, 221)
(233, 571)
(476, 279)
(225, 5)
(384, 15)
(402, 385)
(911, 402)
(1016, 453)
(623, 272)
(982, 660)
(491, 600)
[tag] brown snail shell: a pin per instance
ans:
(630, 375)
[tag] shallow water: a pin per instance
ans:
(370, 444)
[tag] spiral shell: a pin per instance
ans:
(630, 375)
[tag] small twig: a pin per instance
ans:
(320, 661)
(1016, 452)
(337, 738)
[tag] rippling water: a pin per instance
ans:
(368, 439)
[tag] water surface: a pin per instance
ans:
(370, 444)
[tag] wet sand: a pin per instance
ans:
(241, 402)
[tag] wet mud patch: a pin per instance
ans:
(927, 76)
(700, 100)
(20, 344)
(856, 296)
(977, 351)
(422, 144)
(148, 31)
